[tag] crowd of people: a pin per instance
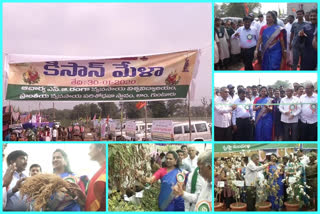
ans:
(266, 114)
(185, 180)
(276, 45)
(62, 190)
(268, 180)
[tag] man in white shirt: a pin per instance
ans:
(251, 178)
(223, 107)
(193, 189)
(242, 117)
(304, 160)
(204, 198)
(193, 158)
(309, 115)
(14, 201)
(288, 29)
(248, 41)
(261, 23)
(290, 109)
(232, 96)
(54, 134)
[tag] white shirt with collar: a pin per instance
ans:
(14, 201)
(308, 115)
(286, 108)
(205, 195)
(251, 173)
(248, 37)
(190, 199)
(304, 160)
(222, 113)
(193, 163)
(241, 111)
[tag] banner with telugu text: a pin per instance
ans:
(155, 77)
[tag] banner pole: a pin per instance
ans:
(145, 121)
(189, 116)
(121, 117)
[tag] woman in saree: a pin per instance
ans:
(272, 38)
(168, 176)
(263, 116)
(276, 172)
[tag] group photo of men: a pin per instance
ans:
(265, 36)
(265, 107)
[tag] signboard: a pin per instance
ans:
(130, 129)
(238, 183)
(220, 184)
(162, 130)
(163, 76)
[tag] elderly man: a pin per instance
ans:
(290, 109)
(204, 198)
(222, 116)
(193, 158)
(309, 115)
(252, 170)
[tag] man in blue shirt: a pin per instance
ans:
(309, 55)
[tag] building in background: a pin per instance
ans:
(293, 7)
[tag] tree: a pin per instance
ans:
(175, 108)
(236, 9)
(279, 83)
(131, 110)
(110, 109)
(158, 109)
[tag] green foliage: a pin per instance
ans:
(110, 109)
(279, 83)
(176, 108)
(158, 109)
(124, 160)
(131, 110)
(149, 202)
(115, 203)
(235, 9)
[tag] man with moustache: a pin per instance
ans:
(14, 202)
(290, 109)
(309, 116)
(309, 54)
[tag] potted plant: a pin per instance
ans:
(262, 195)
(296, 191)
(238, 206)
(218, 206)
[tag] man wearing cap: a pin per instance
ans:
(248, 41)
(309, 115)
(290, 109)
(223, 107)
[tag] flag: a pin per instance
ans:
(100, 118)
(94, 117)
(107, 119)
(293, 10)
(246, 8)
(140, 105)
